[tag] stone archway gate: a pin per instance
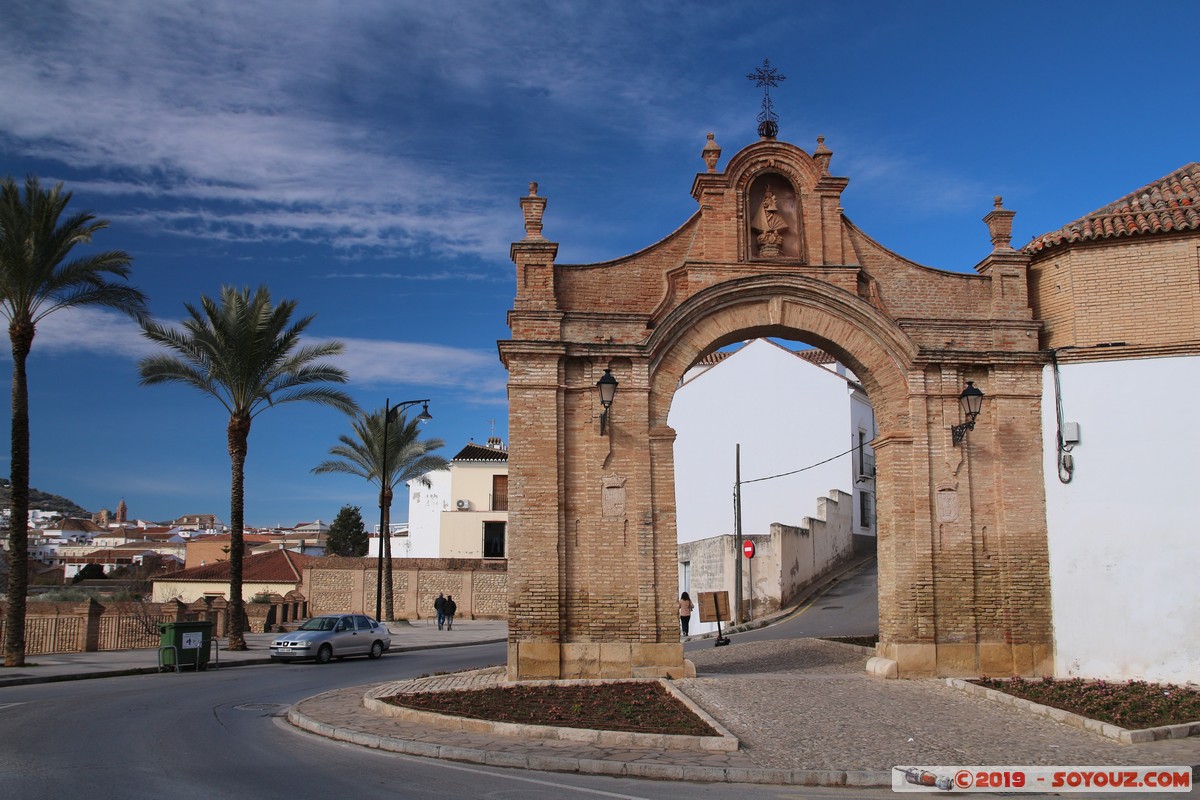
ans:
(964, 581)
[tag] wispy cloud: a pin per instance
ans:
(376, 362)
(335, 127)
(368, 362)
(472, 277)
(90, 330)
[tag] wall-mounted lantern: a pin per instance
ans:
(608, 390)
(971, 401)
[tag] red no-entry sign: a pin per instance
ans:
(748, 548)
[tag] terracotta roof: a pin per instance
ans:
(247, 538)
(712, 359)
(1171, 203)
(478, 452)
(277, 566)
(74, 524)
(815, 356)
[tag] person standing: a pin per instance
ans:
(685, 612)
(450, 607)
(439, 606)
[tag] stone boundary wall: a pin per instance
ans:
(90, 626)
(479, 586)
(786, 561)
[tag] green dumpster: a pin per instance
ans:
(187, 642)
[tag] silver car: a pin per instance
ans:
(331, 636)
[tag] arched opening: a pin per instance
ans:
(773, 447)
(795, 308)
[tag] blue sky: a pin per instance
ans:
(365, 159)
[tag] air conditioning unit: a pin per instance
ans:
(463, 505)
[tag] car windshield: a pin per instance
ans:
(319, 624)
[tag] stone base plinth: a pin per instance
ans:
(541, 660)
(969, 659)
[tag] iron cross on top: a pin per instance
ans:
(767, 76)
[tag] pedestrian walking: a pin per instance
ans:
(439, 606)
(450, 607)
(685, 612)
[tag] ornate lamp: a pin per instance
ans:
(608, 390)
(971, 401)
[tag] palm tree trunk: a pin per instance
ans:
(238, 434)
(21, 335)
(389, 609)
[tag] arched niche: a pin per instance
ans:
(774, 222)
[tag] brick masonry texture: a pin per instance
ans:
(348, 584)
(964, 575)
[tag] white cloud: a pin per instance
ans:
(240, 128)
(374, 361)
(91, 330)
(368, 362)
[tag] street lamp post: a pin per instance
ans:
(390, 414)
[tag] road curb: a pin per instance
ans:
(223, 664)
(590, 766)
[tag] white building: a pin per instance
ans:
(464, 512)
(788, 410)
(1119, 297)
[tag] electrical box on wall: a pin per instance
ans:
(1070, 433)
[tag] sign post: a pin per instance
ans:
(748, 551)
(714, 607)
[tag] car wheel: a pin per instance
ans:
(376, 650)
(325, 654)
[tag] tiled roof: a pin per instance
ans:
(277, 566)
(815, 356)
(478, 452)
(247, 538)
(85, 525)
(1171, 203)
(714, 358)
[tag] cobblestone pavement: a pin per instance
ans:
(804, 710)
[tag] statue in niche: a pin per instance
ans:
(769, 225)
(774, 222)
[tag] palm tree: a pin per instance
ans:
(245, 352)
(408, 458)
(37, 279)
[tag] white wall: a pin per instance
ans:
(786, 413)
(1123, 534)
(425, 507)
(862, 418)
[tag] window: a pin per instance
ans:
(493, 540)
(866, 509)
(866, 461)
(499, 493)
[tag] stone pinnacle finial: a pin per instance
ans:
(532, 208)
(1000, 221)
(822, 155)
(711, 154)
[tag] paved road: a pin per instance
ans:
(219, 734)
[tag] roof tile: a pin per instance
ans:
(1168, 204)
(277, 566)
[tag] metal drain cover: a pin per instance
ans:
(260, 707)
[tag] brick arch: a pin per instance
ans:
(858, 334)
(964, 584)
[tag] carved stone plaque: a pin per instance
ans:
(612, 497)
(947, 505)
